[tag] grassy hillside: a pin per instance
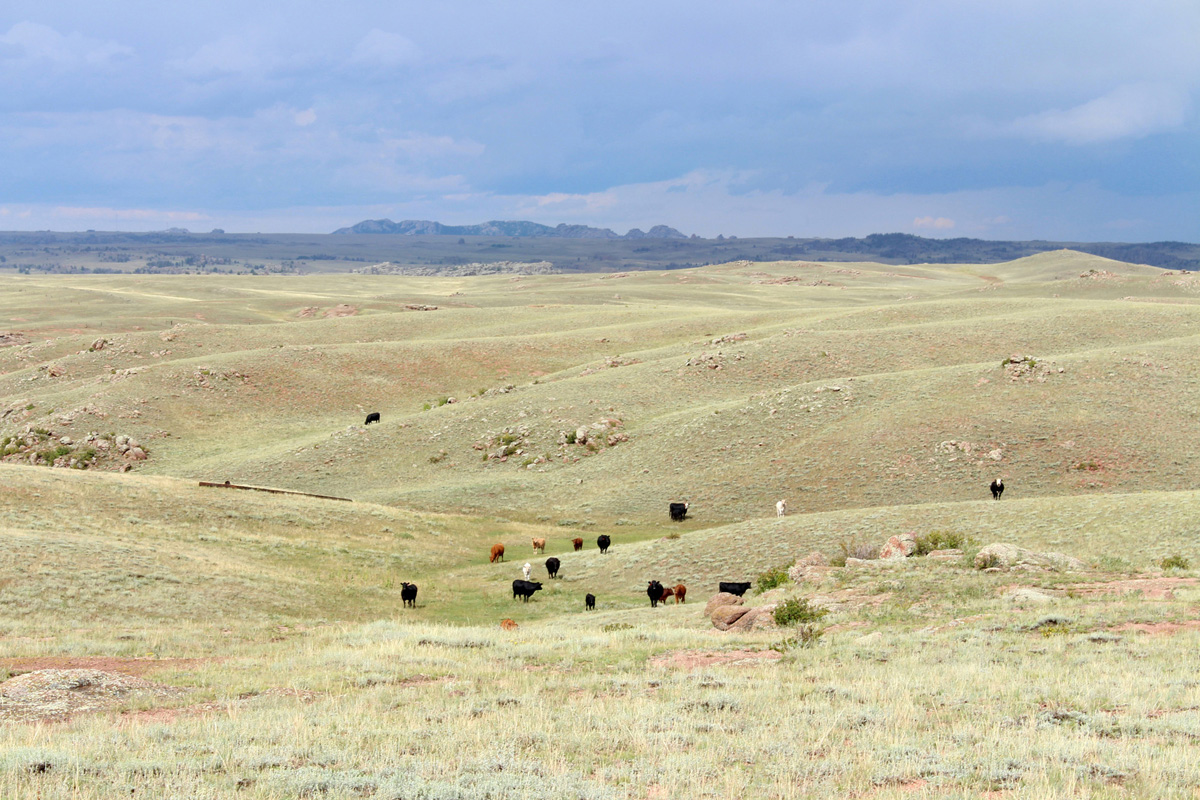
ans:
(876, 399)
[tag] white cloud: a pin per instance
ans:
(1130, 111)
(233, 54)
(33, 43)
(305, 118)
(383, 49)
(936, 223)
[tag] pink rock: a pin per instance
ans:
(724, 617)
(899, 546)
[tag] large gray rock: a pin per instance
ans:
(721, 599)
(724, 616)
(1010, 556)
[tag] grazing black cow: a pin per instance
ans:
(525, 589)
(735, 588)
(589, 602)
(997, 487)
(603, 542)
(372, 417)
(678, 511)
(552, 565)
(655, 590)
(408, 593)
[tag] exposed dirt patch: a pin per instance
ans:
(341, 310)
(695, 659)
(124, 666)
(215, 706)
(1150, 588)
(51, 695)
(1158, 628)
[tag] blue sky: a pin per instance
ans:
(1008, 119)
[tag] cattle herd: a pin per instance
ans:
(525, 588)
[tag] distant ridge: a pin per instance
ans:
(421, 227)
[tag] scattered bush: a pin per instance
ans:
(776, 576)
(793, 612)
(988, 561)
(1174, 562)
(805, 636)
(852, 548)
(939, 540)
(616, 626)
(571, 438)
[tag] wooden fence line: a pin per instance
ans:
(228, 485)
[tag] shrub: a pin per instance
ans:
(805, 636)
(776, 576)
(1174, 562)
(988, 561)
(852, 548)
(939, 540)
(793, 612)
(616, 626)
(571, 437)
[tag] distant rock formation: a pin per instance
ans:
(459, 270)
(420, 227)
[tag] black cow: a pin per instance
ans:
(655, 590)
(408, 593)
(525, 589)
(735, 588)
(552, 565)
(372, 417)
(603, 542)
(589, 602)
(997, 487)
(678, 511)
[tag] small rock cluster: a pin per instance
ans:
(1020, 367)
(40, 446)
(728, 613)
(602, 433)
(712, 360)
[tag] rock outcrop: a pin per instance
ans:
(1010, 556)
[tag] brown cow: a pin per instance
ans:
(667, 592)
(497, 553)
(680, 593)
(578, 543)
(539, 545)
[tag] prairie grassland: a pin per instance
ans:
(873, 398)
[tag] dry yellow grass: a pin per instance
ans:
(873, 398)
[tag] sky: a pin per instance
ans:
(1067, 120)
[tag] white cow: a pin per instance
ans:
(781, 508)
(527, 571)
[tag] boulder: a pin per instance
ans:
(755, 619)
(721, 599)
(811, 567)
(901, 545)
(135, 454)
(1010, 556)
(723, 617)
(1024, 596)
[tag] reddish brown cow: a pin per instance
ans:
(680, 593)
(539, 545)
(578, 543)
(497, 553)
(667, 592)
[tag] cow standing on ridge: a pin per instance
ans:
(997, 487)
